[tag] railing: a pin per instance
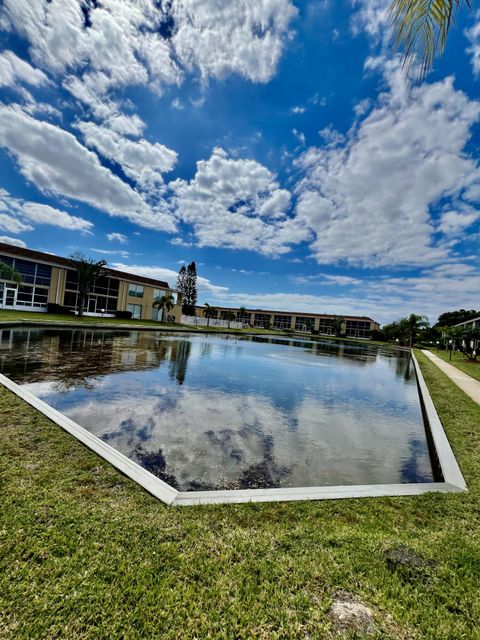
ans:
(211, 322)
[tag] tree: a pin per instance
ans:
(337, 325)
(210, 312)
(229, 316)
(415, 325)
(88, 272)
(451, 318)
(165, 303)
(187, 285)
(9, 273)
(421, 27)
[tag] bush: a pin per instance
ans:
(123, 315)
(53, 307)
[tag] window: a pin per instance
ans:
(304, 323)
(282, 322)
(31, 272)
(136, 310)
(135, 290)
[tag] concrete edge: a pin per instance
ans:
(454, 481)
(451, 471)
(147, 480)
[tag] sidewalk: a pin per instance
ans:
(466, 383)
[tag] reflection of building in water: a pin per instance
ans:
(47, 278)
(75, 357)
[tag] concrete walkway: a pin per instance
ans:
(466, 383)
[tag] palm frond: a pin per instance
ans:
(420, 29)
(9, 273)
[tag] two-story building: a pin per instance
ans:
(48, 278)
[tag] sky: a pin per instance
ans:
(278, 144)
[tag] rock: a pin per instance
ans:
(349, 614)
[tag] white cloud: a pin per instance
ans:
(139, 42)
(117, 237)
(16, 242)
(168, 275)
(22, 213)
(44, 214)
(236, 204)
(372, 17)
(13, 225)
(140, 160)
(298, 109)
(107, 252)
(369, 200)
(56, 162)
(130, 125)
(299, 136)
(473, 35)
(221, 37)
(14, 70)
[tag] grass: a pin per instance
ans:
(472, 367)
(85, 553)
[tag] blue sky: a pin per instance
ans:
(276, 143)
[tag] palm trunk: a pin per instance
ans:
(81, 303)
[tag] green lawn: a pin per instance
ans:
(471, 367)
(85, 553)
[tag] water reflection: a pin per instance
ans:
(210, 412)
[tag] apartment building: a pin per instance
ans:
(47, 278)
(351, 326)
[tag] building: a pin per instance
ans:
(351, 326)
(47, 278)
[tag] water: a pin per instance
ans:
(216, 412)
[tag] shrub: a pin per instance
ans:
(53, 307)
(123, 315)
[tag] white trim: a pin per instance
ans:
(454, 481)
(147, 480)
(448, 464)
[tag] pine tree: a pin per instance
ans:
(187, 285)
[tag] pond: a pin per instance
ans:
(209, 412)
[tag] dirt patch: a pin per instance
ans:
(349, 614)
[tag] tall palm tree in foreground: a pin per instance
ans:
(88, 272)
(420, 28)
(165, 303)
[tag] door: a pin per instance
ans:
(10, 297)
(92, 305)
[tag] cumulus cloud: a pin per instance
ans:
(139, 42)
(140, 160)
(21, 213)
(56, 162)
(473, 35)
(117, 237)
(369, 200)
(16, 242)
(237, 204)
(205, 286)
(14, 70)
(220, 37)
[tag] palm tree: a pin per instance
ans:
(415, 325)
(165, 303)
(9, 273)
(210, 312)
(229, 316)
(421, 27)
(88, 272)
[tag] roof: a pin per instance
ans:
(460, 324)
(298, 314)
(59, 261)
